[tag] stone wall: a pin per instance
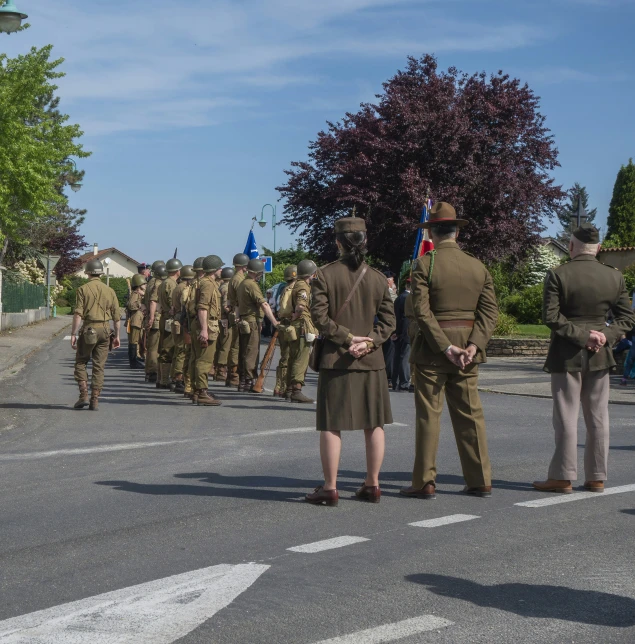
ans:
(508, 347)
(14, 320)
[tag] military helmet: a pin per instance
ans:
(256, 265)
(94, 267)
(228, 273)
(156, 264)
(187, 273)
(306, 268)
(173, 265)
(138, 280)
(212, 263)
(290, 273)
(240, 260)
(160, 273)
(198, 264)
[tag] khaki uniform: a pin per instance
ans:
(135, 317)
(578, 298)
(233, 359)
(224, 343)
(250, 298)
(96, 304)
(456, 306)
(152, 335)
(300, 349)
(285, 344)
(207, 299)
(166, 344)
(180, 352)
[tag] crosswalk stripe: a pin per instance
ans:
(451, 518)
(327, 544)
(576, 496)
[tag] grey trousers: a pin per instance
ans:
(568, 390)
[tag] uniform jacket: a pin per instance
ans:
(301, 303)
(461, 288)
(578, 297)
(96, 302)
(370, 313)
(232, 291)
(208, 298)
(164, 292)
(134, 309)
(224, 298)
(250, 298)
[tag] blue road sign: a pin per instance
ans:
(268, 260)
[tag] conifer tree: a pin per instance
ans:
(570, 210)
(621, 220)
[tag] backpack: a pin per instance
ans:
(285, 308)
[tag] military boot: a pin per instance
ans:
(241, 384)
(288, 393)
(298, 397)
(179, 385)
(194, 396)
(134, 361)
(221, 373)
(233, 379)
(162, 380)
(152, 377)
(94, 399)
(82, 401)
(205, 398)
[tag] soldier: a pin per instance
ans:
(206, 328)
(180, 356)
(190, 309)
(285, 312)
(579, 297)
(96, 305)
(152, 322)
(224, 340)
(136, 309)
(166, 344)
(251, 306)
(304, 332)
(455, 313)
(233, 361)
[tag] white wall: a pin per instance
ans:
(119, 266)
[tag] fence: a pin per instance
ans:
(21, 296)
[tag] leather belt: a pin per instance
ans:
(456, 324)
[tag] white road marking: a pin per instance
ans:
(397, 425)
(157, 612)
(392, 632)
(327, 544)
(291, 430)
(576, 496)
(451, 518)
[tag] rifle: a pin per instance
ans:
(266, 363)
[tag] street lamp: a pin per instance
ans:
(107, 262)
(76, 186)
(10, 18)
(274, 224)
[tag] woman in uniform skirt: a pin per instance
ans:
(352, 385)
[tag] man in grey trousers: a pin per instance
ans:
(579, 297)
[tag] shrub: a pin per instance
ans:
(120, 286)
(629, 278)
(525, 306)
(506, 325)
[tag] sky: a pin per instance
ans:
(193, 109)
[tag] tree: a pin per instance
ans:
(478, 142)
(288, 256)
(570, 210)
(540, 261)
(35, 145)
(621, 219)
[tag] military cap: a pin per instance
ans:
(212, 263)
(138, 280)
(350, 225)
(156, 264)
(198, 264)
(187, 273)
(227, 273)
(587, 234)
(306, 268)
(256, 266)
(173, 265)
(94, 267)
(142, 267)
(290, 273)
(443, 213)
(240, 260)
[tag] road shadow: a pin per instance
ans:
(537, 600)
(33, 406)
(628, 448)
(628, 512)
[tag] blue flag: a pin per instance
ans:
(251, 248)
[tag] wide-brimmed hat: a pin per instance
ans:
(443, 213)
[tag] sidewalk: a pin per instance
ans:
(523, 376)
(16, 345)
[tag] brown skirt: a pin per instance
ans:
(352, 400)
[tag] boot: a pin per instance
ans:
(82, 401)
(194, 396)
(94, 400)
(134, 361)
(298, 397)
(179, 385)
(241, 384)
(249, 386)
(221, 373)
(232, 377)
(212, 372)
(162, 380)
(287, 394)
(152, 377)
(204, 398)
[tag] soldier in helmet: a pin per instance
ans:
(206, 328)
(284, 314)
(233, 361)
(166, 344)
(136, 309)
(224, 340)
(152, 321)
(96, 305)
(180, 356)
(251, 306)
(190, 308)
(304, 332)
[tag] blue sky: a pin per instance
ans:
(194, 108)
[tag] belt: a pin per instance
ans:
(456, 324)
(96, 321)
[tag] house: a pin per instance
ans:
(619, 257)
(556, 247)
(120, 265)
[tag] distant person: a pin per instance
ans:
(578, 298)
(388, 348)
(401, 340)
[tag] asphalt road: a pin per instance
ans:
(152, 487)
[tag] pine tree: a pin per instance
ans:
(571, 209)
(621, 220)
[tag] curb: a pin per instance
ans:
(509, 393)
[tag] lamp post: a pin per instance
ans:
(107, 262)
(10, 18)
(76, 186)
(263, 221)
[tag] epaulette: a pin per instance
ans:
(609, 266)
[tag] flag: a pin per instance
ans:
(423, 243)
(251, 248)
(176, 250)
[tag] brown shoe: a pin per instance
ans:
(194, 396)
(370, 493)
(483, 491)
(94, 400)
(204, 398)
(553, 485)
(82, 401)
(594, 486)
(320, 495)
(298, 397)
(428, 491)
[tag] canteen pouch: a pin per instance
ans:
(309, 337)
(291, 334)
(213, 330)
(168, 325)
(156, 325)
(176, 327)
(244, 328)
(90, 336)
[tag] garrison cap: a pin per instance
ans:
(350, 225)
(587, 234)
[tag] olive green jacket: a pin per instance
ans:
(581, 296)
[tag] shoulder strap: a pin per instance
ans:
(432, 253)
(350, 295)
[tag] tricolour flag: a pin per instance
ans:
(423, 243)
(251, 248)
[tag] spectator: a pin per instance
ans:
(388, 348)
(401, 341)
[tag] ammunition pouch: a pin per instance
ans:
(244, 328)
(291, 333)
(176, 327)
(89, 335)
(167, 325)
(213, 330)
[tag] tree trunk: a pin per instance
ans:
(3, 252)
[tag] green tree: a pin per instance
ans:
(289, 256)
(621, 220)
(570, 209)
(538, 264)
(35, 144)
